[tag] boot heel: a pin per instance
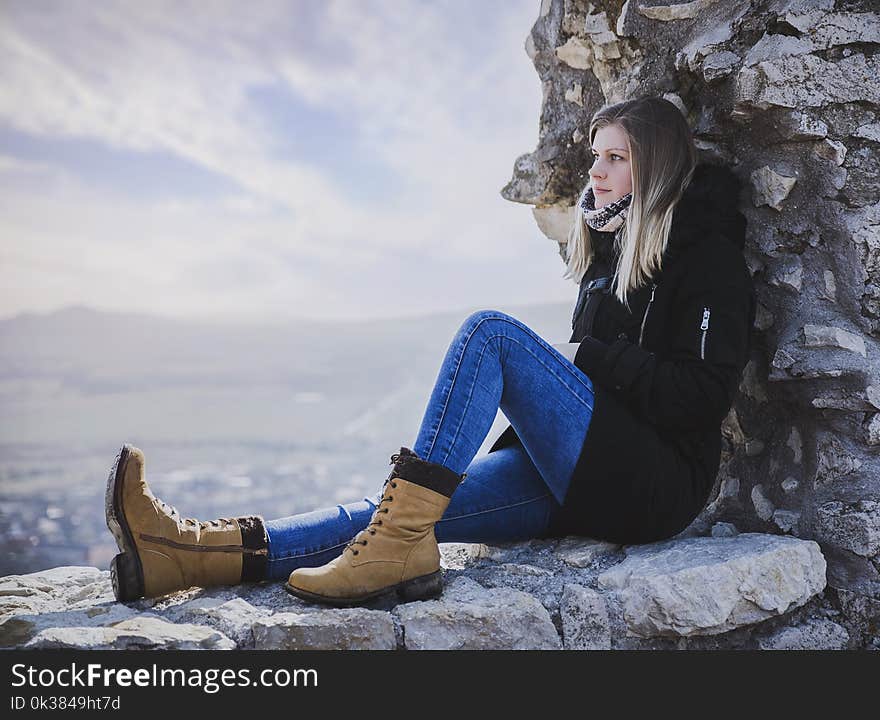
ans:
(421, 588)
(127, 584)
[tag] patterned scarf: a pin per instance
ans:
(608, 218)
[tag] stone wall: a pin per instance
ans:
(786, 93)
(724, 590)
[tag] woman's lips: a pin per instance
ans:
(600, 190)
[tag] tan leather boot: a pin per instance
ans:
(397, 552)
(161, 552)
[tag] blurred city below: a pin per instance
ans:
(275, 419)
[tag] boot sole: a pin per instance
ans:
(423, 587)
(126, 571)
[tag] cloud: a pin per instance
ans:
(440, 96)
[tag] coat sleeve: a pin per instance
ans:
(694, 383)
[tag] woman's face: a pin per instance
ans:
(610, 175)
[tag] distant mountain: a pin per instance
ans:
(81, 375)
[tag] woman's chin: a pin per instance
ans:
(603, 199)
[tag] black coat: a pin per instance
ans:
(665, 373)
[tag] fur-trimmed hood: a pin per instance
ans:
(708, 208)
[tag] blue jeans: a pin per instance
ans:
(493, 361)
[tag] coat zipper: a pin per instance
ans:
(645, 317)
(704, 326)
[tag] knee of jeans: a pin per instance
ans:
(481, 319)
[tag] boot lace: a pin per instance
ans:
(201, 524)
(356, 540)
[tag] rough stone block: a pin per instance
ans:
(470, 617)
(707, 586)
(585, 622)
(331, 629)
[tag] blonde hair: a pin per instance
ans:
(662, 162)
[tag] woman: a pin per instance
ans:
(615, 436)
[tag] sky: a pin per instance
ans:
(268, 160)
